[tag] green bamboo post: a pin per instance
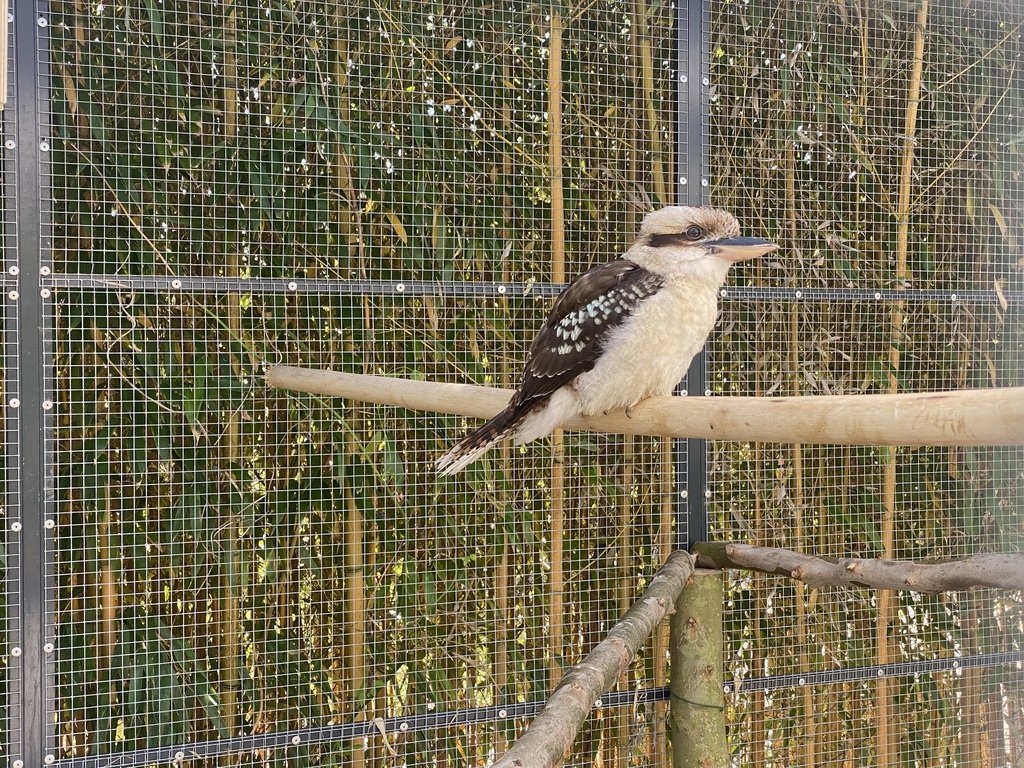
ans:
(697, 710)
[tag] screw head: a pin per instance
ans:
(15, 651)
(400, 287)
(9, 144)
(175, 283)
(48, 648)
(293, 286)
(14, 402)
(12, 295)
(45, 293)
(15, 526)
(42, 23)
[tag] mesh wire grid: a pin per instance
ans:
(232, 562)
(10, 520)
(814, 141)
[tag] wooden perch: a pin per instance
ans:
(1002, 571)
(960, 417)
(552, 732)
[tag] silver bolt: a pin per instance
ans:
(16, 651)
(683, 79)
(707, 393)
(682, 180)
(799, 294)
(400, 287)
(723, 292)
(13, 295)
(705, 81)
(17, 763)
(502, 713)
(175, 283)
(296, 740)
(15, 402)
(10, 144)
(48, 648)
(403, 727)
(14, 270)
(878, 295)
(42, 23)
(956, 665)
(48, 524)
(727, 688)
(803, 681)
(44, 146)
(707, 493)
(881, 672)
(952, 297)
(179, 756)
(15, 526)
(684, 494)
(45, 293)
(293, 286)
(502, 289)
(598, 703)
(704, 182)
(47, 405)
(44, 270)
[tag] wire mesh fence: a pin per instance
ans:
(244, 576)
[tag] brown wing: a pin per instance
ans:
(571, 339)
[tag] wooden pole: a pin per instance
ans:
(552, 732)
(970, 417)
(698, 703)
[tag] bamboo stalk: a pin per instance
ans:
(697, 699)
(800, 535)
(557, 580)
(229, 610)
(961, 417)
(887, 749)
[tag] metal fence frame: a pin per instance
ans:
(28, 283)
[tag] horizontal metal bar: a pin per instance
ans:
(875, 671)
(484, 289)
(503, 712)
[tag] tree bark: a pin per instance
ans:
(698, 702)
(552, 732)
(1001, 571)
(961, 417)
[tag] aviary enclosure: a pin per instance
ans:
(199, 568)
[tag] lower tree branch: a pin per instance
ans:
(1001, 571)
(552, 732)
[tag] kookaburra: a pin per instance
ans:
(623, 331)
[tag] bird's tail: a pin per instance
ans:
(475, 444)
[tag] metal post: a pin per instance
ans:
(29, 35)
(692, 188)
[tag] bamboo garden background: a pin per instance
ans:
(399, 188)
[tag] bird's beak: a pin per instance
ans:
(739, 248)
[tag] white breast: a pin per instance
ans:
(650, 352)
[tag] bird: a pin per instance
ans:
(622, 331)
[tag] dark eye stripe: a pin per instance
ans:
(671, 239)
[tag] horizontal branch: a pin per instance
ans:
(960, 417)
(1002, 571)
(552, 732)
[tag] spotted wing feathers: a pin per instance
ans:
(571, 339)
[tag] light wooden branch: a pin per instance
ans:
(1002, 571)
(552, 732)
(956, 418)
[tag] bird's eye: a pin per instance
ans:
(693, 233)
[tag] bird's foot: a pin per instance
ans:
(629, 408)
